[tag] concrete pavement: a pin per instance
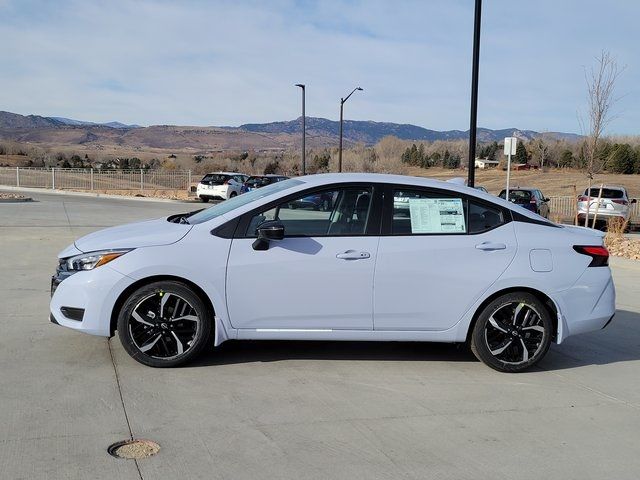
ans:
(296, 410)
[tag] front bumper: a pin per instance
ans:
(93, 292)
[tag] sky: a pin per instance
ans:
(234, 62)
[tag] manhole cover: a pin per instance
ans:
(134, 449)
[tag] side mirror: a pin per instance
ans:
(546, 199)
(633, 200)
(268, 231)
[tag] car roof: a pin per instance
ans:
(225, 173)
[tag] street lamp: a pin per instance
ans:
(474, 95)
(304, 131)
(342, 100)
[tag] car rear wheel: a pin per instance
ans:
(512, 333)
(204, 199)
(164, 324)
(233, 194)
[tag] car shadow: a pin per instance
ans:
(619, 342)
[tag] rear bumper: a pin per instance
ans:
(588, 305)
(217, 192)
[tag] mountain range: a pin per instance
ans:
(321, 132)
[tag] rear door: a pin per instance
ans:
(438, 254)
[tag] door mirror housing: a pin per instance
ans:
(633, 200)
(546, 199)
(268, 231)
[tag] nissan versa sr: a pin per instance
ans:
(391, 258)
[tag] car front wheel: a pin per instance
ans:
(512, 333)
(164, 324)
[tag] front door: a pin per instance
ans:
(441, 254)
(319, 277)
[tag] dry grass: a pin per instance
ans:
(617, 243)
(552, 182)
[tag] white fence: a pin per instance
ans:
(100, 180)
(141, 180)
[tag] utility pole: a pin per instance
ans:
(474, 95)
(342, 100)
(304, 130)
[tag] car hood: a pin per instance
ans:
(150, 233)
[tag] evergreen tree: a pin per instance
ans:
(521, 153)
(622, 159)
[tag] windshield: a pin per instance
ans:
(236, 202)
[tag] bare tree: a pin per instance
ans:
(541, 150)
(601, 81)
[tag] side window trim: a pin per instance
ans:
(373, 226)
(387, 210)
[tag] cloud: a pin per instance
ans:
(224, 62)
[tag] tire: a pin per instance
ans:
(204, 199)
(164, 324)
(512, 333)
(233, 194)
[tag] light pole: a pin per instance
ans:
(474, 95)
(342, 100)
(304, 131)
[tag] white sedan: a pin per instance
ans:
(452, 265)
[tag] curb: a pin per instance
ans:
(89, 194)
(16, 200)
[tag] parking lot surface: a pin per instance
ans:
(296, 410)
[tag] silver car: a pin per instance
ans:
(613, 202)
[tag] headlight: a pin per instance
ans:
(89, 261)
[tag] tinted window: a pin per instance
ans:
(517, 196)
(215, 179)
(606, 192)
(483, 217)
(416, 212)
(334, 212)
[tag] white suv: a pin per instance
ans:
(614, 202)
(220, 185)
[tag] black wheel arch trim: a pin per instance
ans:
(543, 297)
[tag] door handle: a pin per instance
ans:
(489, 246)
(353, 255)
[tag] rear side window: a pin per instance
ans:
(483, 218)
(416, 213)
(606, 192)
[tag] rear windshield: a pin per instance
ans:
(215, 179)
(517, 196)
(606, 193)
(257, 181)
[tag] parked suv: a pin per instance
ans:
(220, 185)
(529, 198)
(614, 202)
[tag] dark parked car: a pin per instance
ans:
(317, 201)
(258, 181)
(529, 198)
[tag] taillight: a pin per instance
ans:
(532, 201)
(599, 254)
(620, 201)
(582, 198)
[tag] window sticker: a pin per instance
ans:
(436, 215)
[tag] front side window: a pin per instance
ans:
(417, 212)
(333, 212)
